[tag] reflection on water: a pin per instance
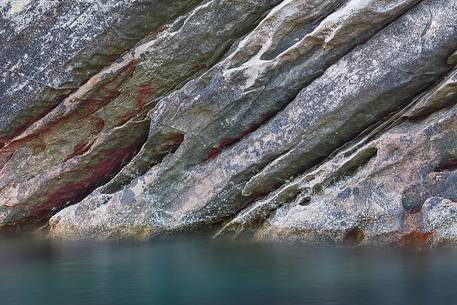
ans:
(185, 271)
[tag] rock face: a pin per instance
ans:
(313, 121)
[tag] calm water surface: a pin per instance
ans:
(200, 271)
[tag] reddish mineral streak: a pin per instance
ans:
(79, 149)
(125, 118)
(6, 139)
(27, 223)
(105, 94)
(84, 146)
(7, 151)
(416, 239)
(96, 174)
(174, 141)
(225, 142)
(89, 105)
(143, 93)
(99, 174)
(99, 124)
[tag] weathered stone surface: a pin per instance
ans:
(74, 137)
(293, 120)
(50, 48)
(382, 196)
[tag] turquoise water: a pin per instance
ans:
(200, 271)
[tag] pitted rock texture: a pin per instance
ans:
(313, 121)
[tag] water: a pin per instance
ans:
(200, 271)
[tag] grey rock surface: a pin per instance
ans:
(50, 48)
(313, 121)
